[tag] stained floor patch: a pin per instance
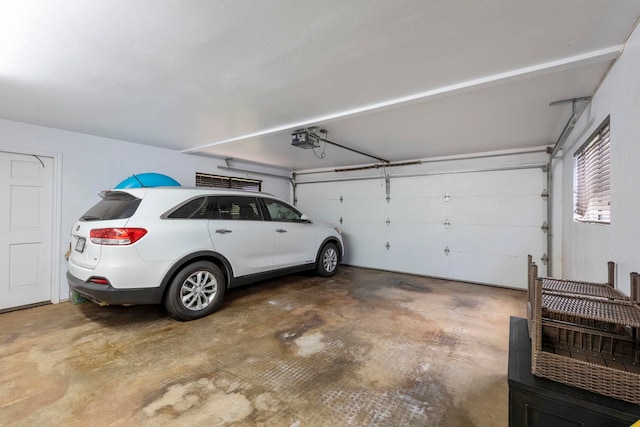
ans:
(363, 348)
(199, 401)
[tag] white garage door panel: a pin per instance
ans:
(497, 210)
(321, 191)
(421, 210)
(433, 186)
(494, 239)
(324, 210)
(424, 262)
(489, 269)
(373, 233)
(417, 236)
(369, 209)
(363, 189)
(509, 182)
(477, 239)
(494, 183)
(489, 222)
(483, 268)
(363, 255)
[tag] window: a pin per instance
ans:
(114, 205)
(592, 196)
(237, 208)
(198, 208)
(219, 181)
(281, 212)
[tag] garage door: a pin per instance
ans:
(26, 188)
(477, 227)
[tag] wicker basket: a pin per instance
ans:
(586, 316)
(570, 287)
(599, 379)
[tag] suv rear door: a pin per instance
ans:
(113, 211)
(241, 235)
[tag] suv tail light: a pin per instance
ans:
(116, 236)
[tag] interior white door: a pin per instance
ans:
(26, 187)
(476, 227)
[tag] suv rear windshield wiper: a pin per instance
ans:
(89, 218)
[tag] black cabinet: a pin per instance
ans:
(535, 401)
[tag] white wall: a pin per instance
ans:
(90, 164)
(588, 247)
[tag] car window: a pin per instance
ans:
(115, 205)
(198, 208)
(282, 212)
(237, 208)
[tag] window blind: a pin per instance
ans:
(592, 189)
(219, 181)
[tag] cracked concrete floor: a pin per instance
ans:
(364, 348)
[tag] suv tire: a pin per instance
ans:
(328, 260)
(196, 291)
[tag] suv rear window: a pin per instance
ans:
(198, 208)
(237, 208)
(112, 206)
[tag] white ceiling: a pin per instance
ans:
(401, 80)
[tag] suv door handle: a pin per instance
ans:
(280, 230)
(223, 231)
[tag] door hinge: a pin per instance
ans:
(340, 220)
(447, 224)
(387, 245)
(545, 226)
(388, 221)
(446, 251)
(545, 194)
(387, 181)
(544, 259)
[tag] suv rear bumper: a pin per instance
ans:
(107, 294)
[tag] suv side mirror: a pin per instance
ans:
(304, 218)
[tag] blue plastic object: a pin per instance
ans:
(148, 179)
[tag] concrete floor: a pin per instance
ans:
(364, 348)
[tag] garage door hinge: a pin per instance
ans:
(545, 226)
(545, 194)
(387, 245)
(388, 221)
(447, 224)
(447, 197)
(341, 199)
(387, 180)
(544, 259)
(446, 251)
(340, 220)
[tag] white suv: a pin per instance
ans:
(184, 247)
